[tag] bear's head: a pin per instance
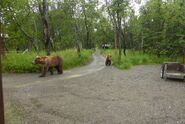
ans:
(109, 57)
(39, 60)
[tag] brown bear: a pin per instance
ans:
(108, 60)
(49, 62)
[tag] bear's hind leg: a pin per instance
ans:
(59, 69)
(107, 63)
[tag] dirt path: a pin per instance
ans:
(95, 94)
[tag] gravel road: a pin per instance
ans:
(95, 94)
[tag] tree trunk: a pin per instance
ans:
(113, 20)
(184, 55)
(119, 29)
(116, 37)
(35, 38)
(77, 40)
(4, 47)
(124, 39)
(2, 120)
(142, 43)
(86, 26)
(76, 33)
(46, 31)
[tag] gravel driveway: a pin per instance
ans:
(95, 94)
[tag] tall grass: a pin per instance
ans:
(136, 58)
(21, 63)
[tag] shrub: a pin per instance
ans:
(135, 58)
(21, 63)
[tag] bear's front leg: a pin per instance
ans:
(51, 70)
(109, 63)
(44, 70)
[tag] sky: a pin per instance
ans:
(136, 6)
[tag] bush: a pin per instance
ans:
(135, 58)
(21, 63)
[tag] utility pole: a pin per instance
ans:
(1, 83)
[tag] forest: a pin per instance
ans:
(53, 25)
(135, 32)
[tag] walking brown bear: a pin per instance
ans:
(108, 60)
(49, 62)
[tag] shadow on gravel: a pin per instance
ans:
(171, 80)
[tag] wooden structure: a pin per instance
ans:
(2, 121)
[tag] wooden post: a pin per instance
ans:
(184, 55)
(1, 84)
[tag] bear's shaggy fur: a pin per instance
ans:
(49, 62)
(108, 60)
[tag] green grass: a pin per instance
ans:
(15, 115)
(135, 58)
(21, 63)
(12, 116)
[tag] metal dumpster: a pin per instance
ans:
(173, 70)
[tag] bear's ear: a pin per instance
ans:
(37, 57)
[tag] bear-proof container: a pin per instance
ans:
(173, 70)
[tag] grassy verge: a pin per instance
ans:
(15, 115)
(136, 58)
(21, 63)
(12, 116)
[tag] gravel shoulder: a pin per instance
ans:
(95, 94)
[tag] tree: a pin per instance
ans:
(117, 11)
(46, 29)
(16, 24)
(2, 119)
(159, 28)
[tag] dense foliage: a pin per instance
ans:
(21, 63)
(158, 28)
(69, 21)
(136, 58)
